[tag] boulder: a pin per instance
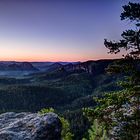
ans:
(29, 126)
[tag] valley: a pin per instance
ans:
(66, 87)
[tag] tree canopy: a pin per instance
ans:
(119, 112)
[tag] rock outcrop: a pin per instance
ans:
(28, 126)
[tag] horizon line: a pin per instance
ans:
(58, 60)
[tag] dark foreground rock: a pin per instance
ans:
(27, 126)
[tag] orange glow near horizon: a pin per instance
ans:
(35, 59)
(14, 50)
(58, 31)
(56, 57)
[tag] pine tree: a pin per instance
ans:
(119, 111)
(97, 132)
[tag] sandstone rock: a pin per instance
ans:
(28, 126)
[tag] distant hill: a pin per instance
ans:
(17, 66)
(43, 66)
(67, 87)
(92, 67)
(54, 67)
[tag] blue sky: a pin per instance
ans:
(59, 30)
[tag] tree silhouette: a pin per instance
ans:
(119, 112)
(131, 37)
(130, 66)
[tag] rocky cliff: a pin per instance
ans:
(27, 126)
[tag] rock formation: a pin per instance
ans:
(28, 126)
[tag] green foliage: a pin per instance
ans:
(97, 132)
(79, 124)
(66, 132)
(121, 109)
(130, 97)
(67, 93)
(46, 110)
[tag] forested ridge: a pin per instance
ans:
(67, 91)
(96, 100)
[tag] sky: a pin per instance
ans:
(59, 30)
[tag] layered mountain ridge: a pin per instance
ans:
(16, 66)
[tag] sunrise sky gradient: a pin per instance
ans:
(59, 30)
